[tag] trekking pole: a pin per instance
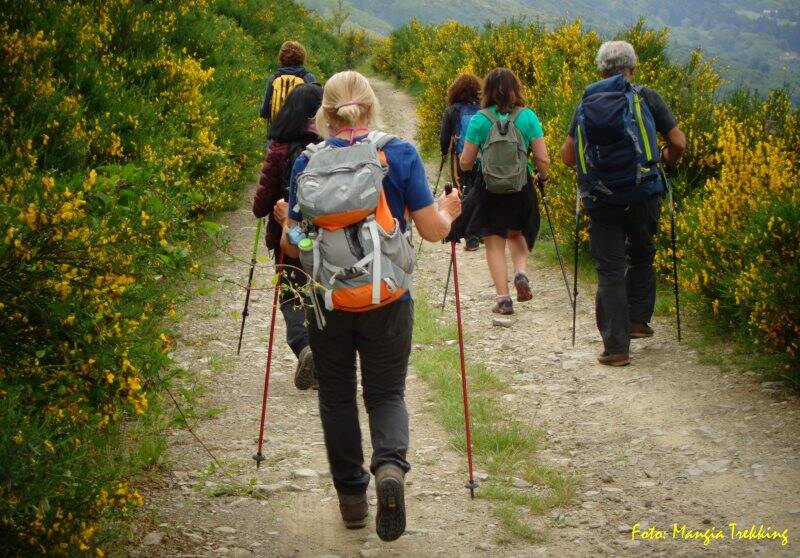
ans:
(249, 283)
(448, 187)
(555, 241)
(435, 191)
(471, 485)
(447, 282)
(575, 270)
(258, 456)
(439, 176)
(674, 253)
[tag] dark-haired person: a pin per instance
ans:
(292, 73)
(505, 219)
(623, 222)
(463, 99)
(290, 132)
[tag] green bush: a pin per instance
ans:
(741, 167)
(124, 124)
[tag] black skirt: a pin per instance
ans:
(484, 214)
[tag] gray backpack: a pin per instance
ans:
(504, 156)
(361, 259)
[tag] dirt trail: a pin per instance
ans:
(665, 440)
(296, 511)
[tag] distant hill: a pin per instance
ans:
(756, 42)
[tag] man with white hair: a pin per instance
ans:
(612, 145)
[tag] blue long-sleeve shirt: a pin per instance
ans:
(294, 70)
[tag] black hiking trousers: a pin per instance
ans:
(382, 340)
(293, 304)
(622, 244)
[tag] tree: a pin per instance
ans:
(339, 15)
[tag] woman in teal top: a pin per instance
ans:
(502, 219)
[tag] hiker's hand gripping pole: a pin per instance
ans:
(555, 239)
(471, 485)
(259, 456)
(674, 252)
(249, 283)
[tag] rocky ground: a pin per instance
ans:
(666, 440)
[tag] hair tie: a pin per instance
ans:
(337, 106)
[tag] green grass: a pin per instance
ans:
(502, 446)
(510, 516)
(430, 326)
(716, 346)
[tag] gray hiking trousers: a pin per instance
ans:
(381, 339)
(623, 248)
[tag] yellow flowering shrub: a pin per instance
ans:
(737, 187)
(741, 237)
(124, 123)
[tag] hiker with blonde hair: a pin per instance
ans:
(350, 200)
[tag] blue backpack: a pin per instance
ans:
(616, 144)
(465, 113)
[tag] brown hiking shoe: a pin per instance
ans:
(390, 521)
(614, 359)
(640, 330)
(304, 373)
(354, 509)
(523, 287)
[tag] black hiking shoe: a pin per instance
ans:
(640, 330)
(304, 373)
(523, 287)
(390, 521)
(504, 307)
(354, 509)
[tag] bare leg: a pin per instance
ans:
(518, 247)
(496, 258)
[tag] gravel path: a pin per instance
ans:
(663, 441)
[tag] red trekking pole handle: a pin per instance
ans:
(258, 456)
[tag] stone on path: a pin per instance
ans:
(305, 474)
(262, 490)
(153, 539)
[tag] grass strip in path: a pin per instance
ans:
(503, 446)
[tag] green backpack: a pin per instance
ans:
(504, 155)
